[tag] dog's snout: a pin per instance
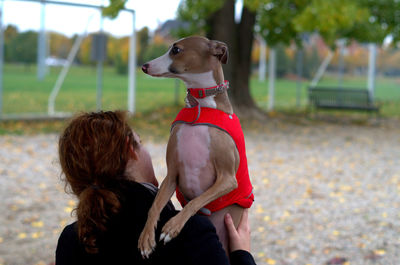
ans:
(145, 68)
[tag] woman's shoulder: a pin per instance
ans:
(68, 247)
(69, 233)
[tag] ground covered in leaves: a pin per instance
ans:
(326, 193)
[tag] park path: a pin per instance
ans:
(325, 194)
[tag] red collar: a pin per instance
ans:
(208, 91)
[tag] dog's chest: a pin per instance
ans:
(196, 173)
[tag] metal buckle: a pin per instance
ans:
(201, 93)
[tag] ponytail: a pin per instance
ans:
(96, 206)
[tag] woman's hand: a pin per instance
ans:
(239, 239)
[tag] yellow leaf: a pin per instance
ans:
(71, 203)
(267, 218)
(37, 224)
(286, 214)
(36, 235)
(22, 235)
(1, 240)
(261, 254)
(42, 185)
(259, 209)
(335, 233)
(380, 252)
(384, 215)
(68, 209)
(260, 229)
(270, 261)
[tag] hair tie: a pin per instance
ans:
(95, 187)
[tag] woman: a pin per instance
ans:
(112, 175)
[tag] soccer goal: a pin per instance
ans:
(73, 42)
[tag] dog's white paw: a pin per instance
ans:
(147, 243)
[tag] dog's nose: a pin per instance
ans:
(145, 67)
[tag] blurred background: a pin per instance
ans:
(278, 49)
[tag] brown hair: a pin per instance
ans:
(93, 152)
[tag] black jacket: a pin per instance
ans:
(196, 244)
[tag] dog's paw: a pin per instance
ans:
(172, 229)
(147, 242)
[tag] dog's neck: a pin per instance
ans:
(205, 80)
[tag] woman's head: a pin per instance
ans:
(95, 151)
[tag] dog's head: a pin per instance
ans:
(191, 55)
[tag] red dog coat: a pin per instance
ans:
(243, 195)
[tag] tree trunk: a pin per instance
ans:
(239, 38)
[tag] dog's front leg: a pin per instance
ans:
(147, 242)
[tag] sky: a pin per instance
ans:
(71, 20)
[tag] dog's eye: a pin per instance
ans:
(175, 50)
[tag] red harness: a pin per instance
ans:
(243, 195)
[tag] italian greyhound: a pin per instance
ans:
(202, 160)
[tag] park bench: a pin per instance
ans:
(340, 98)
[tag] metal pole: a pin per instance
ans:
(371, 69)
(299, 75)
(322, 68)
(41, 59)
(1, 57)
(100, 70)
(262, 66)
(341, 62)
(132, 67)
(272, 74)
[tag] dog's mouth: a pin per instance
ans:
(165, 74)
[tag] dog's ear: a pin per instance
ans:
(220, 50)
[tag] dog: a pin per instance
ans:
(203, 159)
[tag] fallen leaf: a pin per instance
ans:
(22, 235)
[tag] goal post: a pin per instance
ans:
(51, 111)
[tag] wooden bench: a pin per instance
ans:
(340, 98)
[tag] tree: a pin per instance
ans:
(143, 44)
(10, 34)
(23, 47)
(60, 45)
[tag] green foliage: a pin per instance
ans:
(113, 9)
(284, 21)
(120, 66)
(154, 50)
(143, 41)
(196, 13)
(275, 21)
(331, 19)
(383, 20)
(22, 47)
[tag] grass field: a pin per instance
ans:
(23, 93)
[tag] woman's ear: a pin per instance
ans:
(132, 152)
